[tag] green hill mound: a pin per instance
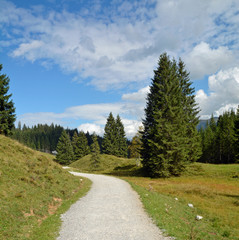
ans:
(107, 164)
(32, 187)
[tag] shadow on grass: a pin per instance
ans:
(127, 171)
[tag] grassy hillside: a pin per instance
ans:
(212, 189)
(107, 164)
(32, 188)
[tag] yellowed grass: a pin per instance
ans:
(217, 195)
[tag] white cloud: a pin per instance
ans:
(131, 127)
(203, 60)
(31, 119)
(91, 128)
(123, 47)
(31, 50)
(139, 96)
(223, 93)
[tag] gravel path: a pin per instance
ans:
(110, 211)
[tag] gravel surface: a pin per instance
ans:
(110, 211)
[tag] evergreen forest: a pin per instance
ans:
(220, 139)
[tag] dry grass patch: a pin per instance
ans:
(213, 190)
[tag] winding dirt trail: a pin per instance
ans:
(110, 211)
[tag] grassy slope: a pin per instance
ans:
(107, 164)
(32, 188)
(212, 189)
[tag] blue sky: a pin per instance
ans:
(72, 62)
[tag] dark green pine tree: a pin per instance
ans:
(208, 139)
(65, 154)
(190, 115)
(165, 148)
(109, 144)
(7, 110)
(95, 152)
(80, 145)
(121, 138)
(225, 139)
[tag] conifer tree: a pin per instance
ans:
(226, 138)
(7, 110)
(209, 135)
(122, 150)
(190, 115)
(136, 145)
(109, 144)
(95, 152)
(80, 145)
(169, 114)
(65, 154)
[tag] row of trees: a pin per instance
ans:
(220, 140)
(69, 150)
(41, 137)
(114, 142)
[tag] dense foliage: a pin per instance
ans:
(80, 145)
(7, 109)
(170, 138)
(40, 137)
(220, 140)
(114, 140)
(95, 152)
(65, 154)
(43, 137)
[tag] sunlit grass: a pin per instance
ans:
(212, 189)
(32, 188)
(107, 164)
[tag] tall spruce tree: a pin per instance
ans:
(170, 121)
(122, 150)
(65, 154)
(95, 152)
(7, 110)
(80, 145)
(109, 144)
(190, 116)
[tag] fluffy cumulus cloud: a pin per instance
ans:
(122, 45)
(91, 128)
(223, 93)
(139, 96)
(203, 60)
